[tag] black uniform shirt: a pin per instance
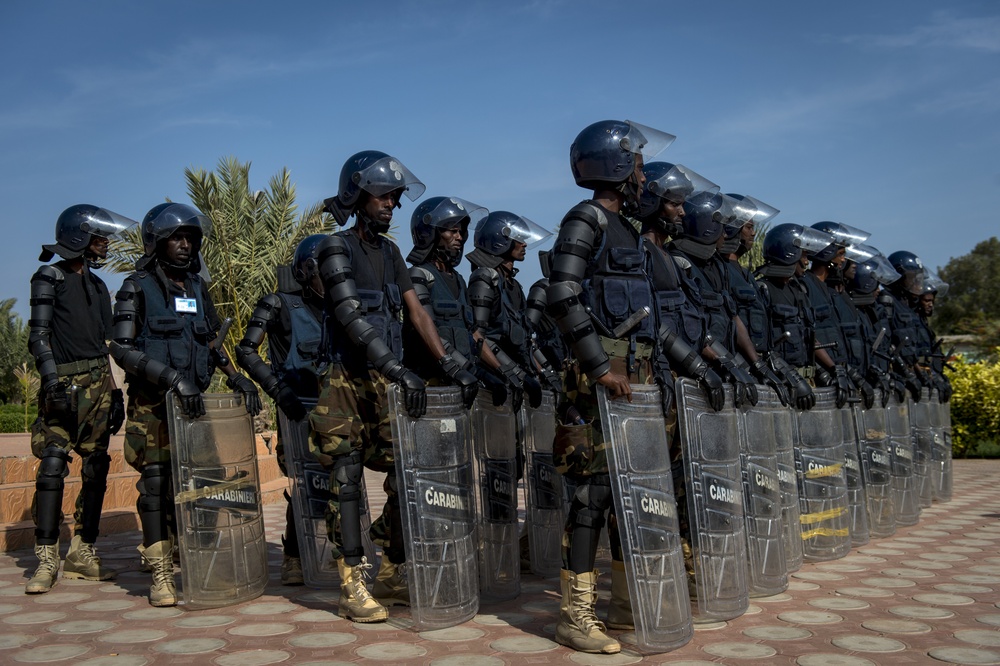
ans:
(81, 317)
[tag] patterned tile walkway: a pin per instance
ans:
(929, 594)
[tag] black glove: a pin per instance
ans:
(533, 389)
(744, 388)
(251, 398)
(57, 401)
(190, 397)
(766, 376)
(802, 394)
(714, 389)
(116, 413)
(842, 385)
(866, 390)
(552, 380)
(414, 390)
(516, 385)
(496, 387)
(944, 388)
(289, 403)
(913, 385)
(899, 387)
(462, 378)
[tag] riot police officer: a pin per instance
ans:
(899, 301)
(934, 359)
(599, 260)
(292, 319)
(80, 406)
(165, 326)
(367, 288)
(862, 287)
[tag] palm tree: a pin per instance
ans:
(253, 232)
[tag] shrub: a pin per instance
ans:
(975, 407)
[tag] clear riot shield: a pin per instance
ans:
(876, 467)
(710, 445)
(220, 525)
(785, 434)
(920, 433)
(309, 487)
(643, 490)
(857, 497)
(434, 476)
(543, 487)
(819, 463)
(944, 417)
(767, 570)
(936, 426)
(904, 484)
(494, 438)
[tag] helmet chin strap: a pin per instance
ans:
(370, 225)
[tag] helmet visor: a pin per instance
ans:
(525, 231)
(933, 284)
(678, 183)
(179, 215)
(861, 253)
(749, 209)
(846, 235)
(106, 224)
(882, 269)
(386, 175)
(812, 240)
(645, 140)
(452, 210)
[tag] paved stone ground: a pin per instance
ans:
(929, 594)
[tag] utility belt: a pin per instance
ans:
(643, 351)
(79, 367)
(806, 371)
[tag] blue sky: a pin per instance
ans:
(882, 115)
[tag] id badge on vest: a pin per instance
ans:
(185, 305)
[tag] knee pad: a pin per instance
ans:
(591, 501)
(52, 469)
(348, 472)
(152, 487)
(96, 467)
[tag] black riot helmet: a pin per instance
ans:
(165, 219)
(603, 155)
(701, 227)
(909, 266)
(783, 247)
(746, 210)
(374, 172)
(438, 214)
(869, 273)
(77, 224)
(844, 235)
(305, 263)
(670, 182)
(495, 236)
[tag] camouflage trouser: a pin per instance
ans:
(147, 436)
(352, 414)
(579, 450)
(90, 396)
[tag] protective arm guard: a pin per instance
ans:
(342, 293)
(43, 298)
(745, 390)
(682, 357)
(123, 349)
(577, 328)
(801, 393)
(484, 292)
(423, 282)
(579, 232)
(536, 302)
(247, 355)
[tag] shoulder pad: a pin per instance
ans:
(422, 276)
(683, 262)
(488, 275)
(130, 286)
(49, 273)
(589, 213)
(271, 302)
(543, 283)
(139, 275)
(334, 243)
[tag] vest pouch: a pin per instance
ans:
(626, 260)
(166, 342)
(746, 296)
(447, 309)
(394, 297)
(308, 349)
(203, 366)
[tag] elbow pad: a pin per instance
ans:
(247, 352)
(578, 234)
(536, 302)
(423, 283)
(681, 355)
(577, 328)
(360, 332)
(139, 364)
(335, 270)
(43, 298)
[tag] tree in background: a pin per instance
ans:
(253, 232)
(972, 304)
(13, 350)
(755, 257)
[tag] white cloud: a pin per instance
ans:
(943, 30)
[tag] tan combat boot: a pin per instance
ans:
(620, 610)
(291, 571)
(355, 602)
(578, 626)
(48, 568)
(82, 562)
(159, 556)
(391, 587)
